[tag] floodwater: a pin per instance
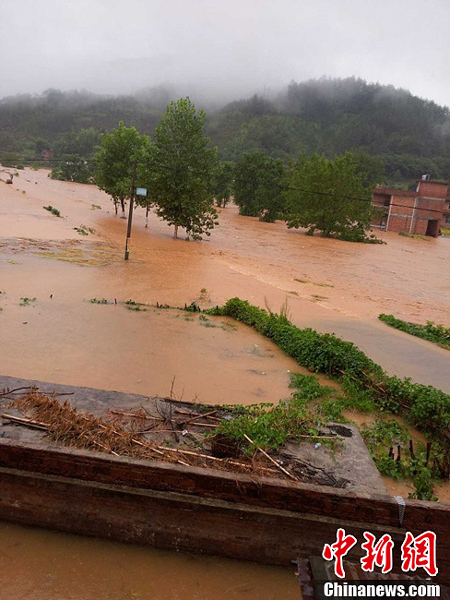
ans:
(396, 487)
(331, 285)
(57, 334)
(37, 564)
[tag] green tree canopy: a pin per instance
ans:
(114, 162)
(180, 167)
(371, 168)
(84, 142)
(74, 151)
(258, 186)
(329, 196)
(73, 168)
(223, 183)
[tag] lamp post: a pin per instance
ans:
(130, 212)
(134, 192)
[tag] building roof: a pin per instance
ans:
(392, 192)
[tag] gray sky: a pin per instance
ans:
(229, 47)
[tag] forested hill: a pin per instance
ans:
(334, 116)
(331, 116)
(30, 123)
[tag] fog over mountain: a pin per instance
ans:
(218, 51)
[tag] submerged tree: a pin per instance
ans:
(114, 162)
(329, 196)
(223, 183)
(180, 167)
(73, 168)
(258, 186)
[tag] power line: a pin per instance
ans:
(275, 186)
(342, 196)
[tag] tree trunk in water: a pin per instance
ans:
(146, 217)
(122, 204)
(115, 206)
(175, 235)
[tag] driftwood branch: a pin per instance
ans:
(200, 416)
(26, 422)
(290, 475)
(8, 392)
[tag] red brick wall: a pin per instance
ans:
(379, 202)
(400, 214)
(432, 189)
(410, 212)
(421, 227)
(197, 510)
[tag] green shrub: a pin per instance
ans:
(424, 406)
(307, 387)
(383, 440)
(271, 427)
(437, 334)
(53, 210)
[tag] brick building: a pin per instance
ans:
(423, 211)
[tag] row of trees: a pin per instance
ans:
(177, 167)
(332, 196)
(328, 116)
(183, 177)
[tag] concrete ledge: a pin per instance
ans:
(168, 520)
(197, 510)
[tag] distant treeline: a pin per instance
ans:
(409, 135)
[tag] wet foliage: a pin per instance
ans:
(330, 196)
(438, 334)
(52, 210)
(403, 134)
(396, 456)
(423, 406)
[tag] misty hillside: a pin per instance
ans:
(410, 135)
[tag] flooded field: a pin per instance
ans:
(148, 351)
(51, 330)
(334, 286)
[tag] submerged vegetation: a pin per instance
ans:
(285, 161)
(53, 210)
(27, 301)
(396, 455)
(285, 158)
(425, 407)
(330, 196)
(98, 301)
(438, 334)
(83, 230)
(135, 306)
(414, 236)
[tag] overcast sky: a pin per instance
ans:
(231, 47)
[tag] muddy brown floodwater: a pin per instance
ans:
(50, 330)
(331, 285)
(45, 565)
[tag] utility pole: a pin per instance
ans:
(130, 212)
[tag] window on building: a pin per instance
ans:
(383, 221)
(387, 202)
(447, 219)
